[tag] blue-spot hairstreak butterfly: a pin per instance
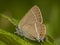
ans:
(31, 25)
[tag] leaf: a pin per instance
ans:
(12, 39)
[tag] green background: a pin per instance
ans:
(18, 8)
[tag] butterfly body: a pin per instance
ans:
(31, 25)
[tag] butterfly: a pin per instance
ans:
(31, 25)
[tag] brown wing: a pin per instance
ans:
(27, 23)
(33, 15)
(29, 31)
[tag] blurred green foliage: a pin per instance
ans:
(16, 9)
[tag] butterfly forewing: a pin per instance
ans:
(31, 16)
(37, 13)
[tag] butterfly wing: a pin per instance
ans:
(29, 31)
(33, 15)
(27, 24)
